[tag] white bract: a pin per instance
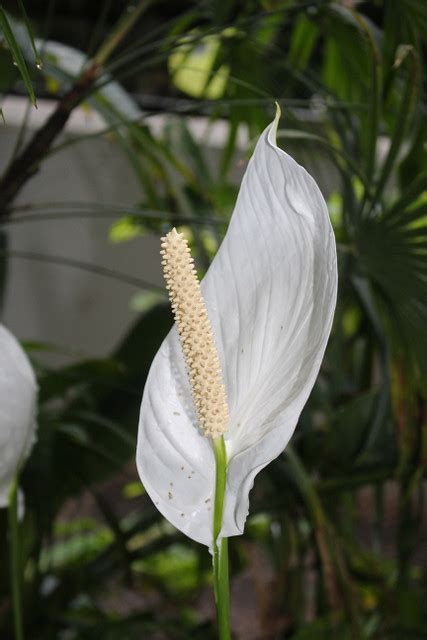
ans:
(270, 295)
(18, 393)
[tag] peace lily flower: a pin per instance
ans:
(18, 392)
(249, 354)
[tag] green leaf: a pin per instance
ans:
(411, 192)
(304, 38)
(124, 229)
(16, 54)
(77, 550)
(404, 56)
(395, 258)
(193, 66)
(176, 568)
(37, 58)
(346, 67)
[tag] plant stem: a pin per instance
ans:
(223, 591)
(15, 565)
(220, 551)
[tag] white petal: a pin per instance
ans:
(18, 391)
(270, 294)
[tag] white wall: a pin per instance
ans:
(64, 306)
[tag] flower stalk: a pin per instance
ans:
(220, 547)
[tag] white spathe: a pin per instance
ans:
(18, 395)
(270, 294)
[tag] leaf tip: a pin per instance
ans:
(272, 132)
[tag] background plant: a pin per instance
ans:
(338, 525)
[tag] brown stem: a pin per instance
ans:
(26, 164)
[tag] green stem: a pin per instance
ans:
(220, 551)
(15, 565)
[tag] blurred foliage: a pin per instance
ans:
(335, 544)
(8, 40)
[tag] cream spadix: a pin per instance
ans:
(270, 296)
(18, 391)
(196, 335)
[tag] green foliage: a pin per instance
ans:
(15, 49)
(339, 519)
